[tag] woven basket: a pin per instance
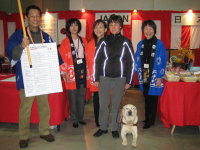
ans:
(198, 76)
(190, 79)
(172, 78)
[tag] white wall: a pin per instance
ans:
(178, 5)
(10, 6)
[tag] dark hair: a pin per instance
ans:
(96, 23)
(70, 22)
(33, 7)
(116, 19)
(151, 23)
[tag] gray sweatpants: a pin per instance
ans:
(106, 86)
(77, 104)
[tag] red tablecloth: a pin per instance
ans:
(5, 76)
(10, 102)
(135, 79)
(197, 57)
(180, 104)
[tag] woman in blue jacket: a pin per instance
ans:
(150, 59)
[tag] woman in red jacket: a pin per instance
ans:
(72, 51)
(99, 31)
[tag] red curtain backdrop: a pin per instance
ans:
(185, 36)
(3, 16)
(89, 15)
(163, 16)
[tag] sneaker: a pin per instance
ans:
(48, 138)
(23, 143)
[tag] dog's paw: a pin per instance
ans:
(134, 144)
(124, 143)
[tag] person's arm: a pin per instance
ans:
(98, 59)
(64, 65)
(162, 57)
(137, 57)
(17, 51)
(13, 44)
(129, 63)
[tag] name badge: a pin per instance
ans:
(146, 66)
(79, 61)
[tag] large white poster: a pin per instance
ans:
(44, 76)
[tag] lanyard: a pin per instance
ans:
(76, 49)
(29, 34)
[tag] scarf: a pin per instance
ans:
(149, 47)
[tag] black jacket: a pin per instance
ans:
(114, 58)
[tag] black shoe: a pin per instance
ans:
(23, 143)
(48, 138)
(146, 126)
(75, 125)
(100, 132)
(82, 123)
(115, 134)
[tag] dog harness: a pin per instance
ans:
(129, 124)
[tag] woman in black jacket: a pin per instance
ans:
(114, 65)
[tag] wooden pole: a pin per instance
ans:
(24, 31)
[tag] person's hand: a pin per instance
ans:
(66, 77)
(158, 82)
(96, 84)
(127, 86)
(25, 42)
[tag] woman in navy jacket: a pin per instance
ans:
(150, 59)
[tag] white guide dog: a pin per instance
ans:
(129, 121)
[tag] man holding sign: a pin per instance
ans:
(14, 48)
